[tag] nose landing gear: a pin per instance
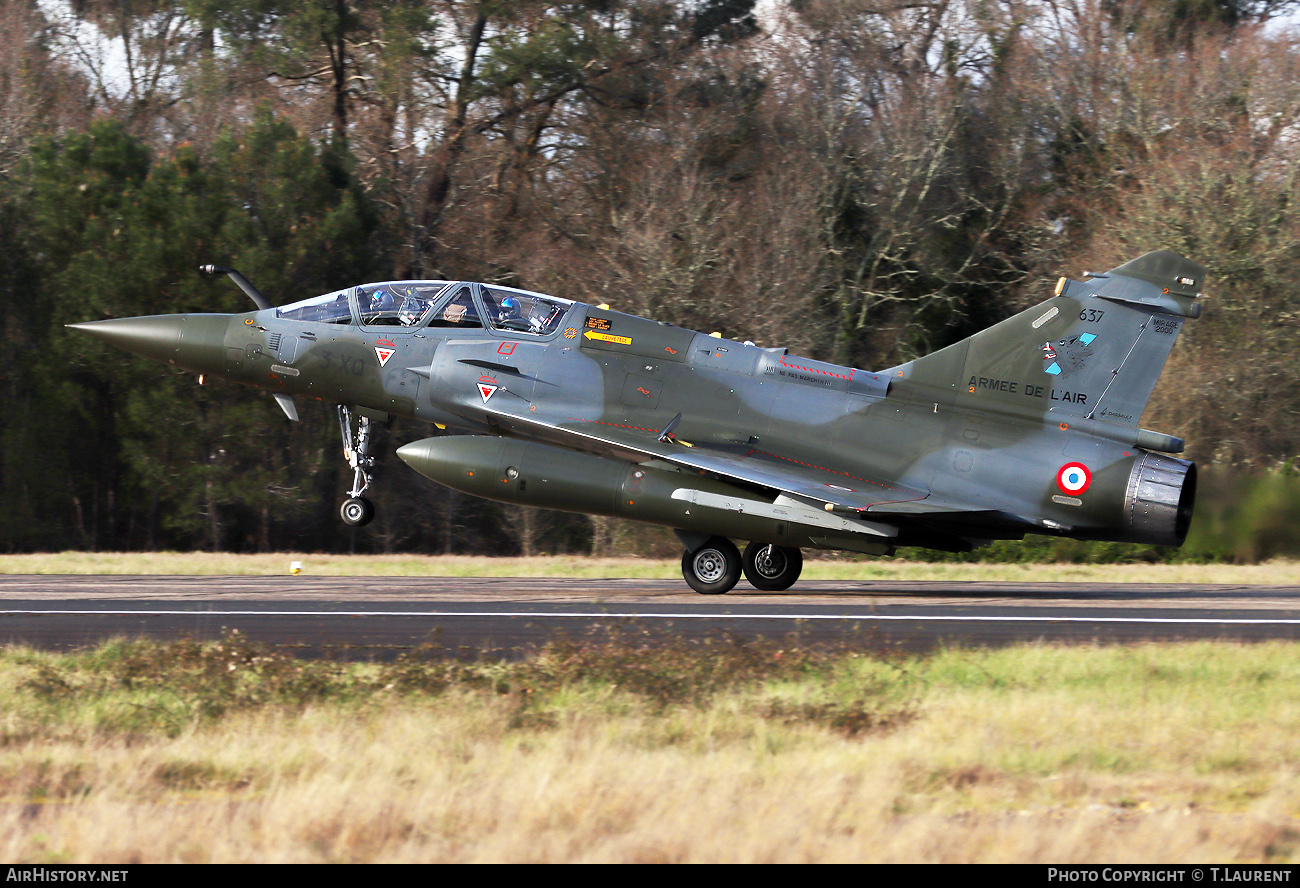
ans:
(357, 510)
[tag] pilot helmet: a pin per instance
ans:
(509, 307)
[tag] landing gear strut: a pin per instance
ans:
(357, 510)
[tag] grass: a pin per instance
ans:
(187, 752)
(1282, 572)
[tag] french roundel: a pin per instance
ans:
(1073, 478)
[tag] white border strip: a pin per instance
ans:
(541, 615)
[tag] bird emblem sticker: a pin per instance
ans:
(1068, 356)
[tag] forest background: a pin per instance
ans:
(862, 181)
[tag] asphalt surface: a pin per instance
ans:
(381, 617)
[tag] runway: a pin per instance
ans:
(381, 617)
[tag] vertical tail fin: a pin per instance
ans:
(1094, 350)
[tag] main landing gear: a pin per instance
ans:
(714, 567)
(772, 568)
(357, 510)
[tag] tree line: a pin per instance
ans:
(863, 181)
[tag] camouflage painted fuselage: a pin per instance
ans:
(1029, 426)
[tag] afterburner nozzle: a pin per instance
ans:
(192, 341)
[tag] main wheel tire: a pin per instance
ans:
(713, 568)
(772, 568)
(357, 511)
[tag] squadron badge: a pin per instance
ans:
(1068, 356)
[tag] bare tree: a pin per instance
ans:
(39, 93)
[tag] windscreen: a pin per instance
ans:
(331, 308)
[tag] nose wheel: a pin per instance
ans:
(357, 510)
(713, 568)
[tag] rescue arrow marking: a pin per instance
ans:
(608, 337)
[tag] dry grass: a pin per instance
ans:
(1031, 754)
(222, 564)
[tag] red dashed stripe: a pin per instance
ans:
(615, 424)
(815, 370)
(750, 453)
(820, 468)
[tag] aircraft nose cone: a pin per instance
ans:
(152, 337)
(194, 342)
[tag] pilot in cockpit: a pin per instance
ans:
(509, 311)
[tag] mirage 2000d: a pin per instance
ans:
(1030, 426)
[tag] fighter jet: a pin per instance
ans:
(1030, 426)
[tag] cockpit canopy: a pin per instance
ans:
(410, 304)
(522, 311)
(398, 305)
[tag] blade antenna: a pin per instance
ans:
(667, 436)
